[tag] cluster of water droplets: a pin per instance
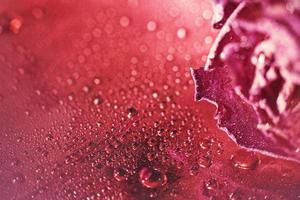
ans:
(127, 133)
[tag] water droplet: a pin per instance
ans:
(18, 178)
(97, 81)
(243, 159)
(15, 162)
(16, 24)
(181, 33)
(49, 137)
(237, 195)
(37, 13)
(86, 89)
(170, 57)
(152, 178)
(208, 39)
(153, 195)
(210, 187)
(211, 184)
(150, 156)
(151, 26)
(124, 21)
(108, 28)
(205, 161)
(111, 12)
(143, 48)
(131, 112)
(97, 100)
(155, 95)
(205, 143)
(97, 32)
(81, 59)
(194, 169)
(120, 174)
(134, 60)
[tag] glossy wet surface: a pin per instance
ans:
(96, 102)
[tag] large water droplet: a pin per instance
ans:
(152, 178)
(243, 159)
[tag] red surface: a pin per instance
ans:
(88, 99)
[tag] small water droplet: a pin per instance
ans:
(124, 21)
(236, 195)
(16, 24)
(134, 60)
(18, 178)
(49, 137)
(86, 89)
(243, 159)
(181, 33)
(211, 184)
(151, 26)
(97, 81)
(131, 112)
(205, 143)
(194, 169)
(205, 161)
(108, 28)
(210, 187)
(81, 59)
(170, 57)
(97, 100)
(150, 156)
(120, 174)
(97, 32)
(143, 48)
(15, 162)
(208, 39)
(155, 95)
(152, 178)
(37, 13)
